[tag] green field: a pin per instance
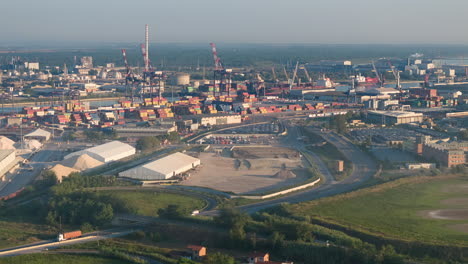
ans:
(398, 210)
(18, 233)
(59, 259)
(148, 202)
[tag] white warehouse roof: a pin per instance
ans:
(163, 168)
(111, 151)
(39, 133)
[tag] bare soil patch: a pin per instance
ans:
(446, 214)
(264, 152)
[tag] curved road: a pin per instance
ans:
(363, 169)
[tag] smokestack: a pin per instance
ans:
(147, 47)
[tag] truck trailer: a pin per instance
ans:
(68, 235)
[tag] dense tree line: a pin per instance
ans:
(299, 240)
(72, 204)
(152, 142)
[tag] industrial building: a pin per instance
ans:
(394, 117)
(446, 156)
(38, 134)
(447, 152)
(134, 131)
(7, 161)
(163, 169)
(220, 120)
(108, 152)
(6, 143)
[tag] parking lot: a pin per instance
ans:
(382, 135)
(270, 128)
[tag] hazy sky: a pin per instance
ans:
(247, 21)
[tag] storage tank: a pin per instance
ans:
(182, 79)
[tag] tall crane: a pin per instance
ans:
(286, 73)
(130, 77)
(220, 73)
(377, 74)
(294, 76)
(396, 74)
(275, 78)
(309, 79)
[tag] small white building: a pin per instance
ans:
(163, 168)
(220, 120)
(108, 152)
(417, 166)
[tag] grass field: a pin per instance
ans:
(400, 209)
(148, 202)
(59, 259)
(18, 233)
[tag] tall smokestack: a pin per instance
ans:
(147, 47)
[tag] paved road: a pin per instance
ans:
(50, 152)
(363, 169)
(292, 141)
(52, 244)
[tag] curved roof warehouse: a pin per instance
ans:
(111, 151)
(163, 168)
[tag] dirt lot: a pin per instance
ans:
(249, 170)
(447, 214)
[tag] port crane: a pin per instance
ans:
(130, 77)
(396, 74)
(309, 79)
(381, 83)
(150, 75)
(294, 77)
(220, 73)
(275, 77)
(286, 74)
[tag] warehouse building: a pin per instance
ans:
(163, 169)
(220, 120)
(108, 152)
(129, 131)
(38, 134)
(7, 162)
(6, 143)
(394, 117)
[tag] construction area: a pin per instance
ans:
(249, 170)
